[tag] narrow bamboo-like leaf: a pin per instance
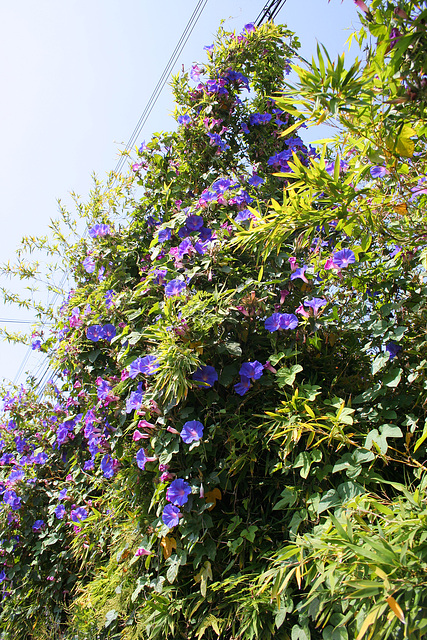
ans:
(394, 606)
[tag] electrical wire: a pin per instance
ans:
(270, 11)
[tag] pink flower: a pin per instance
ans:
(293, 263)
(329, 264)
(138, 435)
(172, 430)
(302, 311)
(124, 374)
(143, 424)
(361, 5)
(283, 295)
(142, 552)
(269, 367)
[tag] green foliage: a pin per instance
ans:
(304, 515)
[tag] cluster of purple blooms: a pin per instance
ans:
(99, 230)
(147, 366)
(249, 372)
(101, 332)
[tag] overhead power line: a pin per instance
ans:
(163, 80)
(270, 11)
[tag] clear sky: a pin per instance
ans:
(76, 77)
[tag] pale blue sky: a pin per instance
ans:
(76, 77)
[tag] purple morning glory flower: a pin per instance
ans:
(206, 376)
(107, 466)
(41, 458)
(195, 73)
(183, 233)
(299, 273)
(12, 500)
(165, 234)
(141, 459)
(174, 288)
(288, 321)
(201, 247)
(205, 234)
(38, 525)
(36, 345)
(78, 514)
(244, 127)
(178, 492)
(147, 366)
(62, 494)
(252, 370)
(60, 511)
(2, 576)
(89, 265)
(249, 28)
(170, 516)
(378, 172)
(192, 431)
(134, 402)
(89, 465)
(316, 304)
(242, 216)
(393, 349)
(186, 246)
(103, 389)
(243, 386)
(185, 119)
(259, 118)
(273, 322)
(255, 180)
(95, 332)
(15, 476)
(343, 258)
(108, 331)
(99, 231)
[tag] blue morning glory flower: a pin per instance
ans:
(62, 493)
(107, 466)
(170, 516)
(378, 172)
(95, 332)
(38, 525)
(185, 119)
(174, 288)
(255, 180)
(147, 365)
(164, 234)
(273, 322)
(178, 492)
(108, 331)
(141, 459)
(205, 234)
(99, 230)
(393, 349)
(192, 431)
(60, 511)
(134, 402)
(252, 370)
(243, 386)
(288, 321)
(78, 514)
(89, 265)
(316, 304)
(206, 376)
(12, 500)
(343, 258)
(242, 216)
